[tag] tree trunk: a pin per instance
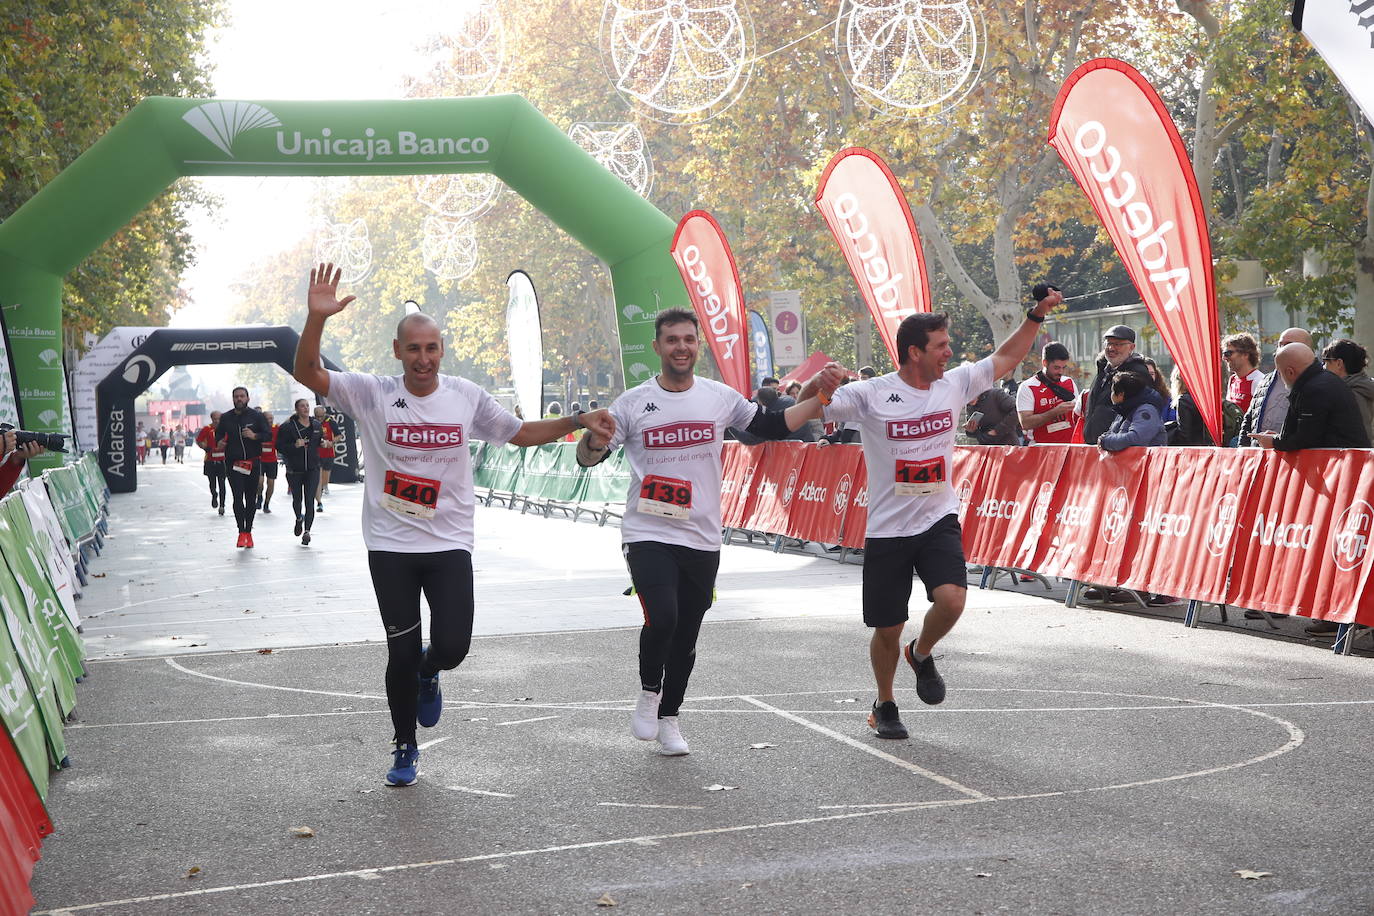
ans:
(863, 338)
(1205, 123)
(1364, 271)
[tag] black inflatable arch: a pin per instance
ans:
(166, 348)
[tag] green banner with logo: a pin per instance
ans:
(32, 653)
(20, 715)
(163, 139)
(49, 621)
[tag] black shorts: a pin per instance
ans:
(215, 469)
(269, 470)
(936, 555)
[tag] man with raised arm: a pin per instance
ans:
(418, 500)
(672, 427)
(908, 420)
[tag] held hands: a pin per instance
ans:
(600, 424)
(830, 378)
(322, 298)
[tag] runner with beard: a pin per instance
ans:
(418, 503)
(672, 427)
(907, 421)
(243, 431)
(1045, 401)
(298, 443)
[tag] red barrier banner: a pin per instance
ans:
(1188, 506)
(1009, 502)
(775, 483)
(708, 271)
(856, 517)
(1115, 135)
(818, 509)
(23, 823)
(739, 462)
(1305, 535)
(868, 214)
(1089, 529)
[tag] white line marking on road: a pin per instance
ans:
(524, 721)
(227, 680)
(868, 749)
(669, 807)
(276, 618)
(480, 792)
(429, 744)
(282, 715)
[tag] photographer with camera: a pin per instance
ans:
(16, 447)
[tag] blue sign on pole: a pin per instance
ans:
(760, 349)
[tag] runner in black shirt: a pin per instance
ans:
(297, 441)
(243, 431)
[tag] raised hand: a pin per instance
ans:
(600, 424)
(322, 299)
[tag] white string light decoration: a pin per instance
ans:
(346, 246)
(621, 149)
(908, 57)
(458, 196)
(467, 58)
(678, 61)
(448, 247)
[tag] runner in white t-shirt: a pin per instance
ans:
(907, 421)
(418, 500)
(672, 427)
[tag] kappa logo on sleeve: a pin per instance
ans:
(926, 427)
(424, 435)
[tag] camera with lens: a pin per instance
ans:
(53, 442)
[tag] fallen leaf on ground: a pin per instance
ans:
(606, 900)
(523, 699)
(193, 871)
(264, 651)
(760, 746)
(302, 832)
(983, 874)
(248, 610)
(480, 719)
(719, 788)
(99, 575)
(848, 700)
(1249, 875)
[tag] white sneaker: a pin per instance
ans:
(670, 739)
(644, 722)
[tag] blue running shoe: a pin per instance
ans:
(405, 770)
(430, 702)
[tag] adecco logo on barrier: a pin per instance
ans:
(1352, 535)
(1116, 516)
(1221, 523)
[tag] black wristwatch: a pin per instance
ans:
(1031, 316)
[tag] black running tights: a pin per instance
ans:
(216, 482)
(674, 585)
(303, 483)
(245, 490)
(445, 577)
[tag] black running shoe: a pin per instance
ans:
(305, 538)
(883, 720)
(221, 510)
(930, 687)
(299, 525)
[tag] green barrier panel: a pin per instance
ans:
(502, 467)
(609, 481)
(32, 655)
(573, 475)
(540, 479)
(50, 622)
(76, 518)
(163, 139)
(21, 718)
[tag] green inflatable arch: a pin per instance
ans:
(164, 139)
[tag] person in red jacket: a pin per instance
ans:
(326, 454)
(208, 439)
(269, 467)
(12, 458)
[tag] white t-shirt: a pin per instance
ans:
(673, 440)
(908, 442)
(418, 491)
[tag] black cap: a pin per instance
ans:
(1121, 332)
(1041, 290)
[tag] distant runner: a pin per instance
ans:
(298, 443)
(208, 439)
(418, 503)
(268, 485)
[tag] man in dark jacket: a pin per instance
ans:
(1118, 355)
(1322, 412)
(992, 418)
(298, 443)
(243, 431)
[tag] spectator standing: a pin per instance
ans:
(1118, 355)
(867, 372)
(1241, 353)
(1161, 385)
(1348, 360)
(1269, 404)
(1189, 428)
(1045, 401)
(12, 458)
(992, 418)
(1322, 412)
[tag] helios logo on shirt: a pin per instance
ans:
(680, 435)
(932, 424)
(424, 435)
